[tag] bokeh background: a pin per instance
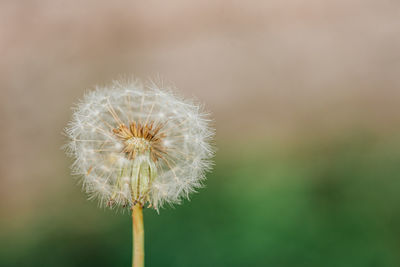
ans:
(306, 101)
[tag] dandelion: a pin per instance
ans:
(138, 145)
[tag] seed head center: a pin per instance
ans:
(138, 144)
(141, 138)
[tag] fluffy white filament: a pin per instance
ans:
(110, 174)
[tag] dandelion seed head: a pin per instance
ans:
(136, 143)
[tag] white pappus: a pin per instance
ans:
(138, 143)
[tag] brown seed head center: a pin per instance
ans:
(140, 138)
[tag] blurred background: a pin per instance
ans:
(306, 101)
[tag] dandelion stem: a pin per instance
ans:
(138, 236)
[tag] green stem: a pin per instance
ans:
(138, 236)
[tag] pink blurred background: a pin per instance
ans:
(269, 71)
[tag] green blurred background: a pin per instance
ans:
(306, 101)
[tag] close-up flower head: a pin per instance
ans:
(110, 147)
(136, 143)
